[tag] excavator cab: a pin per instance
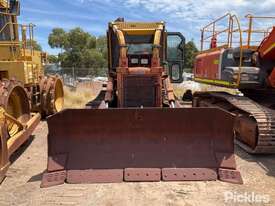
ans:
(136, 130)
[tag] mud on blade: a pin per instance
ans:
(115, 145)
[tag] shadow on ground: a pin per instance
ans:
(37, 177)
(21, 149)
(265, 161)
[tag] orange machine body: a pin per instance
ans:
(208, 65)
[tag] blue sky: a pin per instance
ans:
(186, 16)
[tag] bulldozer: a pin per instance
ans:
(136, 129)
(242, 59)
(26, 93)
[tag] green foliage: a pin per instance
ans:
(34, 44)
(190, 54)
(80, 49)
(101, 46)
(53, 59)
(58, 38)
(79, 40)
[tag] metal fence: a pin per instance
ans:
(72, 76)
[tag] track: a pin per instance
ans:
(255, 123)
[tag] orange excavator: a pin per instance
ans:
(244, 60)
(136, 130)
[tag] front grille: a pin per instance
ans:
(140, 90)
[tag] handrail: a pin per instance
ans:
(259, 17)
(251, 30)
(230, 30)
(217, 20)
(7, 13)
(211, 28)
(7, 24)
(24, 39)
(241, 49)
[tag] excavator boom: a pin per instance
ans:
(267, 47)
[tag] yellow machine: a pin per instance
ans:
(25, 92)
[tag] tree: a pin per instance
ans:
(101, 46)
(190, 53)
(94, 59)
(58, 38)
(81, 50)
(53, 59)
(78, 40)
(34, 44)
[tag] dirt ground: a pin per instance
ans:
(21, 187)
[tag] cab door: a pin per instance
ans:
(175, 56)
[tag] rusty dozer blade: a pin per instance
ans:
(115, 145)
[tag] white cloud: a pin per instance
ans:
(193, 14)
(190, 9)
(196, 12)
(187, 16)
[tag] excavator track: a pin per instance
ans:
(245, 107)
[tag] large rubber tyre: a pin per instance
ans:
(14, 101)
(52, 95)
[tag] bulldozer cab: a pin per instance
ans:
(9, 10)
(142, 43)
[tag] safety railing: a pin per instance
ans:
(213, 29)
(22, 35)
(224, 32)
(259, 27)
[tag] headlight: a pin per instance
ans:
(144, 61)
(134, 61)
(235, 76)
(245, 77)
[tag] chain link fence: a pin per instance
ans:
(72, 76)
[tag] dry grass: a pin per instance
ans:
(79, 97)
(85, 92)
